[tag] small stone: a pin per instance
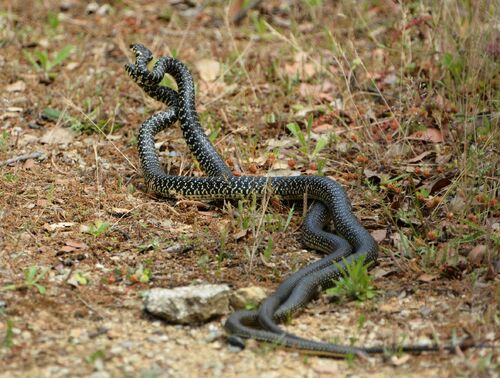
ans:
(245, 296)
(425, 311)
(92, 8)
(188, 304)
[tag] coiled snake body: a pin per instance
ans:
(297, 289)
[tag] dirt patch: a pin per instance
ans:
(81, 238)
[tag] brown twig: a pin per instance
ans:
(33, 155)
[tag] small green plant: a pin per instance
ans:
(93, 357)
(42, 63)
(259, 23)
(153, 245)
(97, 229)
(80, 278)
(355, 282)
(268, 251)
(32, 276)
(4, 141)
(8, 339)
(9, 177)
(203, 261)
(455, 66)
(53, 22)
(142, 274)
(222, 253)
(304, 139)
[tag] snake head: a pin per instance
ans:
(141, 52)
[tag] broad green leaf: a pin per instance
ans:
(62, 55)
(322, 142)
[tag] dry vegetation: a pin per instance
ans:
(403, 98)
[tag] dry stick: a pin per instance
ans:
(33, 155)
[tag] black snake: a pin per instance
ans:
(297, 289)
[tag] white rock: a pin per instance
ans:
(188, 304)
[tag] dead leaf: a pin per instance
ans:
(379, 272)
(56, 226)
(477, 254)
(439, 184)
(379, 235)
(209, 69)
(323, 128)
(67, 249)
(426, 277)
(72, 65)
(428, 135)
(240, 234)
(398, 361)
(119, 212)
(234, 8)
(41, 202)
(303, 71)
(58, 135)
(76, 244)
(389, 308)
(300, 67)
(29, 164)
(318, 92)
(420, 157)
(18, 86)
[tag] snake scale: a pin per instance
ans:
(353, 243)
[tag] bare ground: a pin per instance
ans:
(375, 79)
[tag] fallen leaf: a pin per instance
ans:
(439, 184)
(389, 308)
(56, 226)
(18, 86)
(379, 272)
(477, 254)
(76, 244)
(428, 135)
(58, 135)
(426, 277)
(323, 128)
(42, 202)
(67, 248)
(240, 234)
(420, 157)
(398, 361)
(234, 8)
(119, 212)
(209, 69)
(29, 164)
(379, 235)
(303, 71)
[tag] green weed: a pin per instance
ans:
(305, 139)
(42, 63)
(97, 229)
(32, 276)
(93, 357)
(4, 141)
(9, 177)
(8, 339)
(355, 282)
(153, 245)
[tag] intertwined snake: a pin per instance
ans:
(353, 243)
